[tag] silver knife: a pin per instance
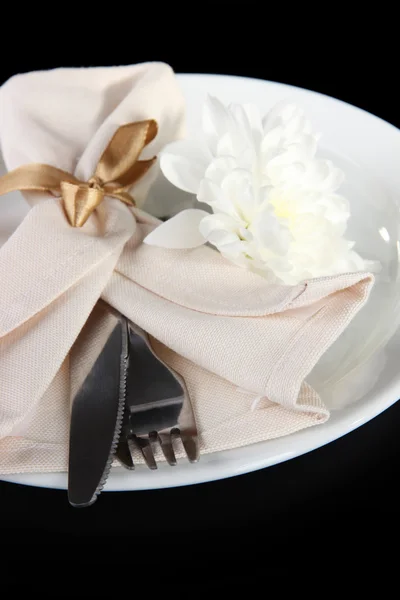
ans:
(101, 362)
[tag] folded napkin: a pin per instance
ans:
(238, 342)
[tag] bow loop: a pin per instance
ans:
(123, 151)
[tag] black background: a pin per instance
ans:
(342, 496)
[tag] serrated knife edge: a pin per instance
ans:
(121, 407)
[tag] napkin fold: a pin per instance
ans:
(233, 337)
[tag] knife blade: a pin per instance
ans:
(97, 410)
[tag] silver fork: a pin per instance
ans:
(157, 408)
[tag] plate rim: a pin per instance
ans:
(290, 86)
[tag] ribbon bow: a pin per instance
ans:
(117, 170)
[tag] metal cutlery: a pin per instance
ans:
(158, 408)
(126, 398)
(97, 409)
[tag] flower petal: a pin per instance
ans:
(219, 222)
(213, 195)
(238, 188)
(248, 119)
(184, 163)
(216, 122)
(182, 231)
(271, 139)
(219, 168)
(271, 234)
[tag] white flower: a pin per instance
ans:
(275, 206)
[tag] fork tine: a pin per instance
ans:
(147, 452)
(167, 448)
(191, 447)
(131, 447)
(189, 443)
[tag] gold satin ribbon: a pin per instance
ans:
(117, 170)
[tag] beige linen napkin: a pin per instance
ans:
(234, 338)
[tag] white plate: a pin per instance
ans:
(359, 377)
